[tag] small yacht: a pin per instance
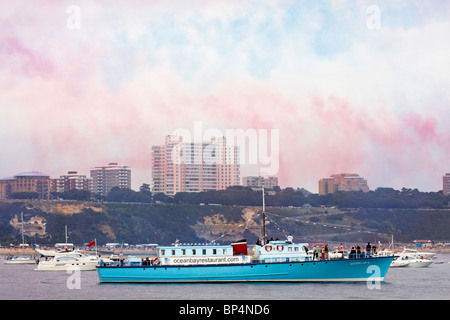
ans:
(413, 259)
(399, 263)
(419, 254)
(20, 260)
(411, 262)
(64, 260)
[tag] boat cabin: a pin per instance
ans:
(281, 251)
(205, 254)
(194, 251)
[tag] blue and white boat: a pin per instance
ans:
(276, 261)
(273, 261)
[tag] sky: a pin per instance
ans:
(351, 86)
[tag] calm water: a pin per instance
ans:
(22, 282)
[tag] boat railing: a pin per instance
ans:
(362, 255)
(275, 259)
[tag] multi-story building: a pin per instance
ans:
(342, 182)
(446, 183)
(71, 180)
(26, 182)
(104, 178)
(326, 186)
(179, 166)
(259, 182)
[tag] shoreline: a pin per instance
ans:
(29, 251)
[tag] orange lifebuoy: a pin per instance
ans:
(280, 246)
(268, 248)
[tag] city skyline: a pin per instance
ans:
(351, 87)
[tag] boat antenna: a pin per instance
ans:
(264, 217)
(65, 228)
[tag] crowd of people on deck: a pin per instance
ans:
(321, 252)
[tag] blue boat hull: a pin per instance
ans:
(366, 269)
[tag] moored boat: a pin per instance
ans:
(418, 254)
(62, 261)
(271, 261)
(20, 260)
(410, 260)
(276, 261)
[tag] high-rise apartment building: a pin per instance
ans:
(26, 182)
(259, 182)
(180, 166)
(104, 178)
(326, 186)
(446, 184)
(342, 182)
(71, 180)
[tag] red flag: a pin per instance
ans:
(92, 243)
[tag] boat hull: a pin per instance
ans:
(343, 270)
(79, 265)
(20, 261)
(419, 264)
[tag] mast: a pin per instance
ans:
(264, 218)
(66, 234)
(23, 237)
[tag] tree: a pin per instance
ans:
(145, 188)
(127, 195)
(24, 195)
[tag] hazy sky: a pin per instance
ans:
(352, 86)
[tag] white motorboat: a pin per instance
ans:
(413, 262)
(411, 259)
(399, 262)
(20, 260)
(419, 254)
(72, 259)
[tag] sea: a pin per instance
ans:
(21, 282)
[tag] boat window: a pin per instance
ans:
(289, 248)
(183, 252)
(173, 252)
(214, 251)
(296, 249)
(224, 251)
(69, 258)
(204, 252)
(194, 252)
(163, 252)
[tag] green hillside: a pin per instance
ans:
(164, 223)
